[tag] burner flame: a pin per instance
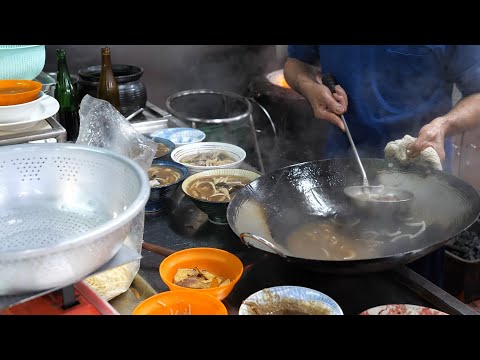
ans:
(277, 78)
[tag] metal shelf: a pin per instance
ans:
(44, 130)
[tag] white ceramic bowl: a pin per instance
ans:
(234, 151)
(290, 292)
(18, 113)
(180, 136)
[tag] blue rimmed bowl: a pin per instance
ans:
(297, 299)
(159, 196)
(180, 136)
(170, 145)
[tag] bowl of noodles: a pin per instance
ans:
(208, 156)
(164, 147)
(211, 191)
(164, 178)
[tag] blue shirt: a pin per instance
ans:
(393, 90)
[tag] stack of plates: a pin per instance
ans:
(15, 118)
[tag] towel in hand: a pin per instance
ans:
(397, 150)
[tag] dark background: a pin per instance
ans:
(172, 68)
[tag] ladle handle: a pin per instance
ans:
(329, 81)
(262, 241)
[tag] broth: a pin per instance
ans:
(217, 188)
(162, 150)
(323, 239)
(163, 175)
(329, 239)
(273, 304)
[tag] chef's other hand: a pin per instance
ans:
(325, 105)
(432, 134)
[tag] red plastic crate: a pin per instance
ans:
(89, 303)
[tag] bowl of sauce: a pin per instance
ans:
(289, 300)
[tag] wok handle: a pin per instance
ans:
(262, 241)
(160, 250)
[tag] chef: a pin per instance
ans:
(387, 92)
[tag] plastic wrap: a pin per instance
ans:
(101, 125)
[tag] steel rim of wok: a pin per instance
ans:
(448, 206)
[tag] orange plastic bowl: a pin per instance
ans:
(13, 92)
(218, 262)
(181, 302)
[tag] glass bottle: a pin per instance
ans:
(107, 86)
(66, 96)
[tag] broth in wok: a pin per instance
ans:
(329, 239)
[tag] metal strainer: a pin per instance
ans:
(65, 210)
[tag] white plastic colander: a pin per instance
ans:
(65, 210)
(21, 62)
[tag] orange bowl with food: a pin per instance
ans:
(181, 302)
(13, 92)
(205, 270)
(212, 190)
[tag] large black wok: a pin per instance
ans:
(266, 213)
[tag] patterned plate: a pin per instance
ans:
(401, 309)
(180, 136)
(290, 292)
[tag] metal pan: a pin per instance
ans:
(270, 212)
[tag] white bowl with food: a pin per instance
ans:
(209, 156)
(289, 300)
(211, 191)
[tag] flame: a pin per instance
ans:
(283, 83)
(278, 79)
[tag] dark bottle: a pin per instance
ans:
(66, 95)
(107, 86)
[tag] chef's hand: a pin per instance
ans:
(325, 105)
(432, 134)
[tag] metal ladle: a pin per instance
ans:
(367, 194)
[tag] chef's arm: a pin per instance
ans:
(299, 74)
(464, 116)
(306, 80)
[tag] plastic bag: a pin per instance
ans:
(101, 125)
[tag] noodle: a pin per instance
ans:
(163, 175)
(111, 283)
(210, 158)
(409, 236)
(162, 150)
(217, 189)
